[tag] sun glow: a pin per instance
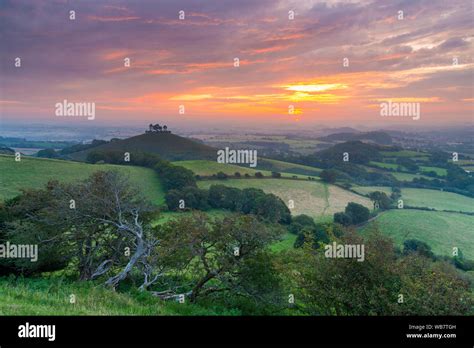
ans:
(315, 87)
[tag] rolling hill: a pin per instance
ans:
(167, 145)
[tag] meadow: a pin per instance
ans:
(33, 172)
(440, 230)
(425, 198)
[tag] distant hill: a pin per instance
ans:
(167, 145)
(381, 138)
(6, 150)
(359, 151)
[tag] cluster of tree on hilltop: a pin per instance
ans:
(156, 128)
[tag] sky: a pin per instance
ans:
(332, 62)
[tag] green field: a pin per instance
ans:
(437, 170)
(208, 168)
(384, 165)
(465, 162)
(33, 172)
(408, 176)
(287, 242)
(440, 230)
(365, 190)
(439, 200)
(435, 199)
(380, 167)
(313, 198)
(420, 156)
(286, 167)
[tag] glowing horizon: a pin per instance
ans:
(335, 60)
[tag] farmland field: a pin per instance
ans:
(421, 156)
(437, 170)
(280, 166)
(315, 199)
(435, 199)
(439, 200)
(365, 190)
(208, 168)
(33, 172)
(440, 230)
(384, 165)
(408, 177)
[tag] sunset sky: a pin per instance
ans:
(283, 62)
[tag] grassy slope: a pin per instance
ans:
(51, 297)
(33, 172)
(439, 200)
(312, 198)
(442, 231)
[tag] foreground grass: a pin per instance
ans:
(33, 296)
(33, 172)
